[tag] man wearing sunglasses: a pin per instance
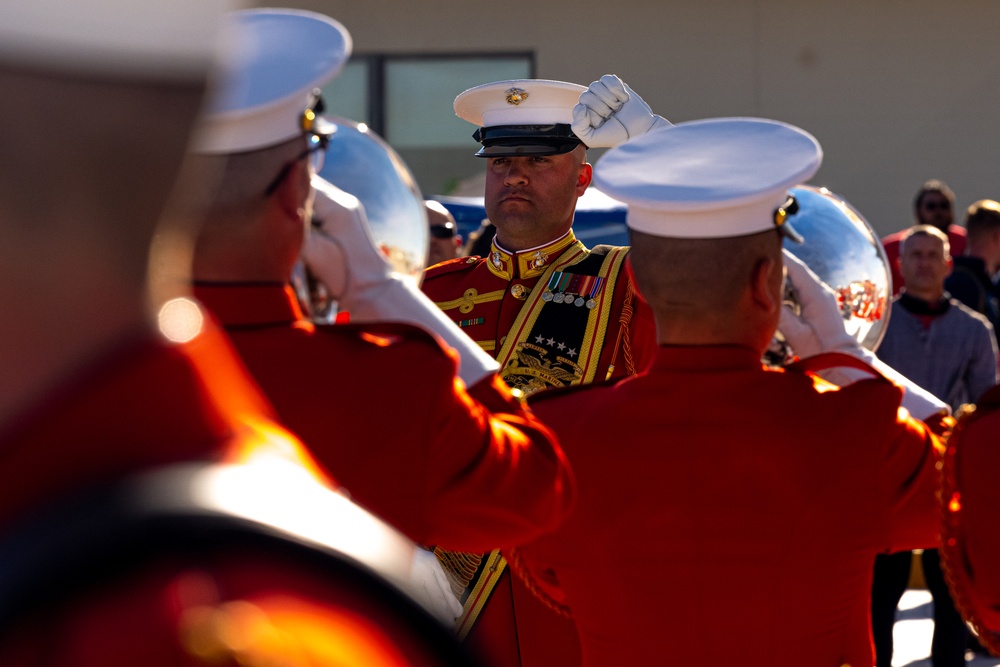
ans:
(379, 405)
(934, 205)
(445, 241)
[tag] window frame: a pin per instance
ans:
(375, 100)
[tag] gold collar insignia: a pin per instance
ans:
(526, 263)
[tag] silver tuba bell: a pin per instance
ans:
(362, 164)
(842, 249)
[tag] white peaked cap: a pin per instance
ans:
(519, 102)
(275, 59)
(521, 116)
(713, 178)
(144, 39)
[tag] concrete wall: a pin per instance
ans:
(896, 91)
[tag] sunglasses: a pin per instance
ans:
(443, 231)
(936, 206)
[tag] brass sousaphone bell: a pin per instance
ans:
(842, 249)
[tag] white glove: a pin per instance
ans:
(610, 113)
(342, 254)
(431, 587)
(343, 222)
(820, 328)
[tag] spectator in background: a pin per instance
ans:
(971, 279)
(934, 205)
(949, 350)
(445, 241)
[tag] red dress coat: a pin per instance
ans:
(730, 514)
(379, 406)
(500, 301)
(144, 405)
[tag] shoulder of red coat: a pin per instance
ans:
(452, 266)
(384, 334)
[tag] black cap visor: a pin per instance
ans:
(524, 140)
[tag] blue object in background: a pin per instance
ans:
(599, 218)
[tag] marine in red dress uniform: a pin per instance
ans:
(552, 312)
(148, 405)
(93, 395)
(738, 517)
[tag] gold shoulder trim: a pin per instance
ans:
(469, 299)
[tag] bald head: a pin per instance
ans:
(256, 214)
(710, 291)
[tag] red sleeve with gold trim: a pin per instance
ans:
(450, 266)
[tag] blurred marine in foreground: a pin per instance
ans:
(152, 512)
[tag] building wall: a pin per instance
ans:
(896, 91)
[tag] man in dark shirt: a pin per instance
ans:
(971, 279)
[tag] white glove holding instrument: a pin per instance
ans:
(342, 254)
(433, 589)
(610, 113)
(820, 328)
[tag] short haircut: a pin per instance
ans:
(933, 185)
(243, 178)
(698, 276)
(982, 218)
(925, 230)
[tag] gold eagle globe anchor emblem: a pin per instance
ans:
(515, 96)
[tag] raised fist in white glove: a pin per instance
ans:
(432, 587)
(820, 328)
(610, 113)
